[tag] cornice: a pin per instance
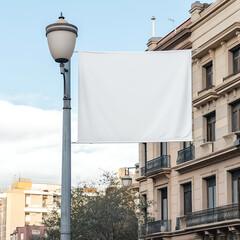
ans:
(216, 41)
(230, 83)
(210, 159)
(210, 13)
(173, 40)
(205, 97)
(155, 174)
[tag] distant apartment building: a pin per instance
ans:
(29, 233)
(25, 204)
(195, 186)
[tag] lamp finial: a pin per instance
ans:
(61, 16)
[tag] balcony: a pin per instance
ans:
(143, 171)
(212, 215)
(159, 226)
(155, 164)
(185, 154)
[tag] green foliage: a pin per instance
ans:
(110, 214)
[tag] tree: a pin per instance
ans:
(109, 214)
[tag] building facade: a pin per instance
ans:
(195, 186)
(25, 205)
(29, 233)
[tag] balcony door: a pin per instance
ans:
(236, 186)
(211, 192)
(163, 147)
(187, 195)
(164, 204)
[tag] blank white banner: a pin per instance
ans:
(134, 97)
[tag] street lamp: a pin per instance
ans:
(61, 38)
(126, 179)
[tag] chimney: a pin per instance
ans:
(153, 26)
(152, 42)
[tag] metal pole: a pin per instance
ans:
(66, 156)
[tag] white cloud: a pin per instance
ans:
(30, 145)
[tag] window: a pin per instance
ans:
(28, 200)
(22, 236)
(209, 75)
(55, 198)
(236, 61)
(27, 217)
(187, 197)
(211, 192)
(236, 186)
(211, 127)
(235, 116)
(186, 144)
(145, 151)
(144, 209)
(163, 147)
(164, 204)
(44, 200)
(145, 158)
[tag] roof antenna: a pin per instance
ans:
(153, 26)
(173, 21)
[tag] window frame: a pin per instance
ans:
(213, 187)
(185, 192)
(209, 75)
(211, 127)
(236, 59)
(144, 209)
(163, 148)
(164, 201)
(235, 106)
(236, 177)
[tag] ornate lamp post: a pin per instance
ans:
(61, 38)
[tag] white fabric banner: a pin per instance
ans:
(135, 97)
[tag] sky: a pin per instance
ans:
(31, 87)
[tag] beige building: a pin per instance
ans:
(25, 204)
(195, 186)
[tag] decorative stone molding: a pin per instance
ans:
(224, 45)
(235, 230)
(229, 84)
(204, 98)
(230, 138)
(238, 35)
(195, 10)
(216, 41)
(195, 61)
(152, 42)
(221, 233)
(212, 54)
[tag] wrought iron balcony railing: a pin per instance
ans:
(185, 154)
(155, 164)
(143, 171)
(159, 226)
(212, 215)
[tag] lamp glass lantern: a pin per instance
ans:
(126, 181)
(61, 38)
